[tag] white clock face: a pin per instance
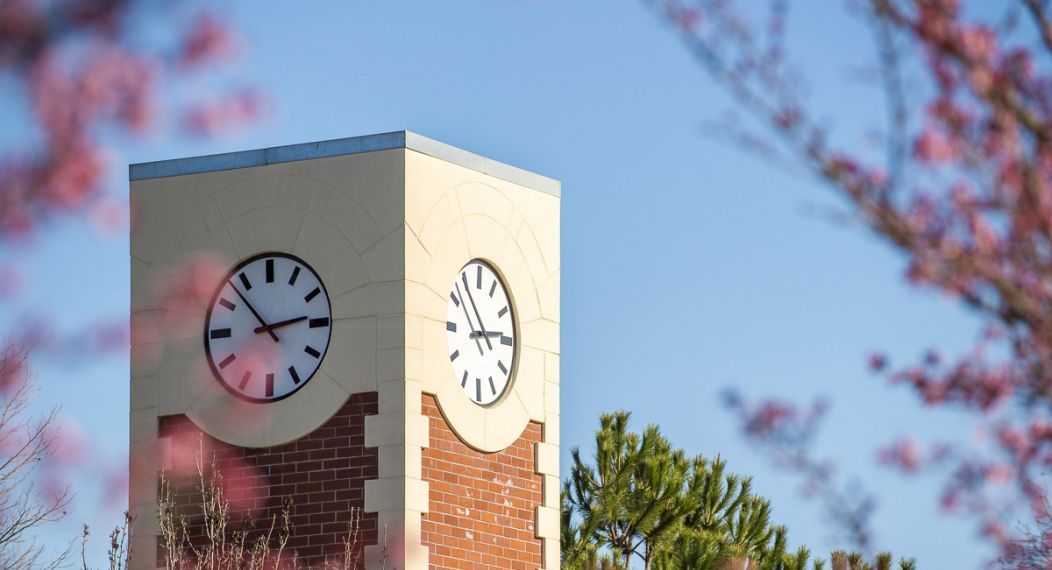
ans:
(267, 328)
(480, 332)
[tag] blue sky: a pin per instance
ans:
(688, 265)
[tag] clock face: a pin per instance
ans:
(267, 328)
(480, 331)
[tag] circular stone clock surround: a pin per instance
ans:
(469, 221)
(237, 217)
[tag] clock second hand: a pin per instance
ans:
(475, 308)
(254, 313)
(470, 324)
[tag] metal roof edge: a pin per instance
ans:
(338, 147)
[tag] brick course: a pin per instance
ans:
(323, 474)
(481, 504)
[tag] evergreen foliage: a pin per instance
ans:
(640, 499)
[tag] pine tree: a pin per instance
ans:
(631, 501)
(643, 499)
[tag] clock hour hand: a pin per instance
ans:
(254, 313)
(489, 334)
(475, 308)
(279, 324)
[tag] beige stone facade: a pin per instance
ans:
(387, 221)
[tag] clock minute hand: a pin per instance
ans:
(475, 308)
(464, 306)
(254, 313)
(279, 324)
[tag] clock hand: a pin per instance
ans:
(278, 324)
(475, 308)
(254, 313)
(470, 324)
(490, 334)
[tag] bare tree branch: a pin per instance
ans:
(24, 443)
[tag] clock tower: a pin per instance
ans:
(363, 330)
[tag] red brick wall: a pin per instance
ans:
(482, 504)
(323, 474)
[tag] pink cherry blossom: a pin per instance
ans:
(978, 42)
(208, 39)
(70, 442)
(88, 76)
(877, 362)
(786, 433)
(934, 147)
(967, 202)
(903, 455)
(222, 114)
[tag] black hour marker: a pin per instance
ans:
(454, 356)
(314, 293)
(322, 322)
(244, 380)
(455, 300)
(478, 278)
(492, 288)
(245, 282)
(505, 340)
(270, 385)
(451, 326)
(270, 271)
(502, 368)
(492, 386)
(226, 361)
(310, 350)
(295, 274)
(464, 380)
(219, 333)
(295, 376)
(226, 304)
(478, 389)
(501, 312)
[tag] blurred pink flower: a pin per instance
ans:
(209, 39)
(70, 443)
(222, 114)
(181, 450)
(933, 147)
(979, 42)
(115, 487)
(11, 281)
(1000, 474)
(244, 485)
(903, 454)
(196, 276)
(109, 216)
